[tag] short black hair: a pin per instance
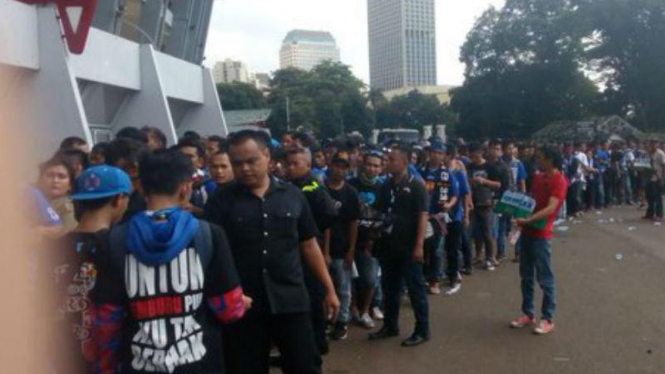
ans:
(221, 142)
(192, 143)
(553, 154)
(124, 149)
(506, 143)
(402, 148)
(82, 206)
(192, 134)
(71, 142)
(260, 137)
(163, 171)
(495, 142)
(100, 148)
(304, 139)
(475, 147)
(149, 130)
(132, 133)
(75, 156)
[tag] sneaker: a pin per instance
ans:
(377, 313)
(522, 321)
(545, 327)
(366, 321)
(340, 332)
(433, 288)
(467, 271)
(489, 265)
(454, 288)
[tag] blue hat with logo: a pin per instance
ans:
(102, 181)
(438, 146)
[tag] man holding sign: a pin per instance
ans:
(549, 191)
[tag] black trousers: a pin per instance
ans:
(453, 247)
(247, 344)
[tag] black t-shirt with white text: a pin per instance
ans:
(171, 328)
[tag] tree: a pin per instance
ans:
(523, 70)
(413, 111)
(239, 96)
(326, 100)
(626, 49)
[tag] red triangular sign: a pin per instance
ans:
(76, 17)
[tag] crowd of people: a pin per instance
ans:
(233, 254)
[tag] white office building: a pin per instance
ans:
(304, 49)
(402, 43)
(229, 71)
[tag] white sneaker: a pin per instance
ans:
(454, 288)
(489, 266)
(367, 322)
(377, 313)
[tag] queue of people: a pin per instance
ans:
(215, 254)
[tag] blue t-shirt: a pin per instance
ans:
(464, 190)
(43, 214)
(602, 160)
(442, 186)
(517, 173)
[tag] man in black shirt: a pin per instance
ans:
(485, 180)
(344, 233)
(368, 184)
(270, 228)
(101, 199)
(299, 172)
(404, 201)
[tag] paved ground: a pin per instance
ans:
(611, 315)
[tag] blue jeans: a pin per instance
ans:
(397, 267)
(341, 276)
(536, 264)
(503, 225)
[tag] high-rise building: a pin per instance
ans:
(402, 43)
(229, 71)
(304, 49)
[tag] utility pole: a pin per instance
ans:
(288, 114)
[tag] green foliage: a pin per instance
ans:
(523, 70)
(239, 96)
(528, 65)
(626, 48)
(413, 111)
(327, 100)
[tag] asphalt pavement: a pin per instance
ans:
(610, 271)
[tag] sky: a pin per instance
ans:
(252, 31)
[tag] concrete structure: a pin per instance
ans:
(402, 43)
(262, 81)
(304, 49)
(176, 27)
(52, 94)
(250, 119)
(442, 92)
(229, 71)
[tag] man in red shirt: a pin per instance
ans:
(549, 191)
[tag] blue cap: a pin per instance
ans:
(438, 146)
(102, 181)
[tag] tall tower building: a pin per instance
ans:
(304, 49)
(402, 43)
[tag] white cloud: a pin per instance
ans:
(252, 31)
